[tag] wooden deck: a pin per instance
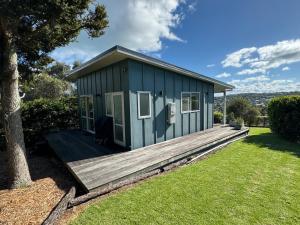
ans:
(95, 166)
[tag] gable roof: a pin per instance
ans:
(118, 53)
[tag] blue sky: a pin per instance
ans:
(254, 45)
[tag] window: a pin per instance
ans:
(190, 102)
(108, 104)
(144, 105)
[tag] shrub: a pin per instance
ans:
(251, 116)
(239, 123)
(218, 117)
(45, 86)
(42, 115)
(284, 116)
(239, 106)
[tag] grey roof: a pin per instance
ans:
(118, 53)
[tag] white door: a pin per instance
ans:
(118, 118)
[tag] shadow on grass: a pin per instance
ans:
(273, 142)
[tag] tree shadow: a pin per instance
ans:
(273, 142)
(41, 166)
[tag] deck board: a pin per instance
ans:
(95, 166)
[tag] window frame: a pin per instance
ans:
(111, 104)
(190, 101)
(139, 106)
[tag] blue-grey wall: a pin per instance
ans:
(113, 78)
(144, 77)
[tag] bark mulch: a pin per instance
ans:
(31, 205)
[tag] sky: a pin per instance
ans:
(253, 45)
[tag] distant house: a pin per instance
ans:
(148, 100)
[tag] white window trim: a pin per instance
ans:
(111, 101)
(87, 117)
(150, 103)
(190, 95)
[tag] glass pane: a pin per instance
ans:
(90, 107)
(119, 133)
(144, 104)
(195, 101)
(108, 104)
(185, 102)
(83, 124)
(91, 124)
(83, 106)
(118, 109)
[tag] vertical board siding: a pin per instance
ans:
(193, 115)
(107, 79)
(148, 85)
(165, 87)
(116, 78)
(135, 84)
(103, 90)
(198, 114)
(160, 116)
(210, 105)
(178, 89)
(205, 101)
(169, 97)
(130, 76)
(185, 116)
(98, 95)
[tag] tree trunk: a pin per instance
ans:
(10, 100)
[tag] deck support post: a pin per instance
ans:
(224, 108)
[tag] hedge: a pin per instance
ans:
(43, 115)
(284, 116)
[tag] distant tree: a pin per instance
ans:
(45, 86)
(29, 30)
(251, 116)
(76, 64)
(239, 106)
(58, 69)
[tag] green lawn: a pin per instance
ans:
(252, 181)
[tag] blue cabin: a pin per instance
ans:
(143, 99)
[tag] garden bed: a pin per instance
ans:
(31, 205)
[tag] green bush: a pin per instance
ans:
(218, 117)
(284, 116)
(42, 115)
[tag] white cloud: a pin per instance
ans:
(140, 25)
(263, 84)
(210, 65)
(235, 59)
(192, 6)
(69, 55)
(265, 58)
(251, 71)
(286, 68)
(223, 75)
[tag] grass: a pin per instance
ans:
(252, 181)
